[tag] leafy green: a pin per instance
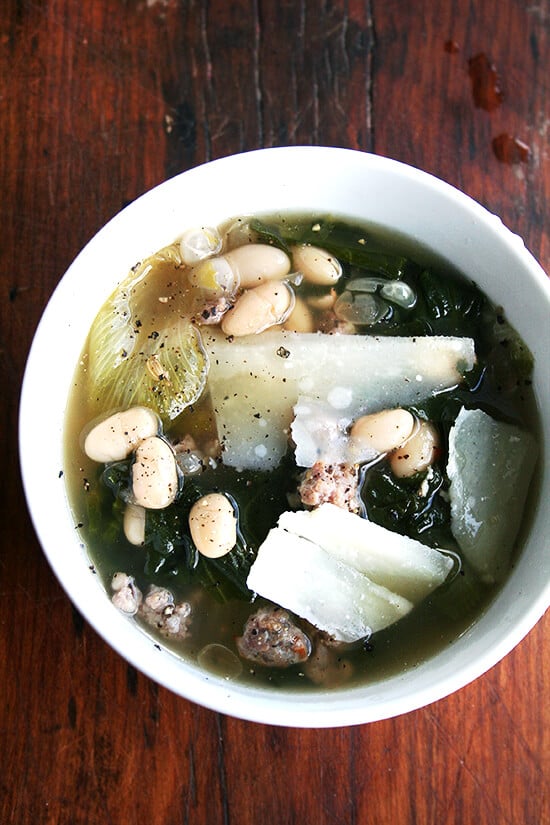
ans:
(143, 351)
(444, 305)
(517, 364)
(168, 551)
(117, 477)
(347, 243)
(449, 308)
(272, 235)
(165, 530)
(166, 374)
(104, 514)
(397, 504)
(259, 498)
(231, 571)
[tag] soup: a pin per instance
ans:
(299, 450)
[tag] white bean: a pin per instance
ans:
(114, 438)
(155, 481)
(383, 431)
(134, 524)
(256, 263)
(214, 276)
(417, 453)
(323, 302)
(120, 580)
(213, 525)
(300, 319)
(316, 265)
(257, 309)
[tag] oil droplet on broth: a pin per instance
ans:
(219, 660)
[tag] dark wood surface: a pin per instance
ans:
(101, 100)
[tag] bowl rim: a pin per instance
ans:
(313, 709)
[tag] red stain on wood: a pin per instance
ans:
(486, 88)
(510, 149)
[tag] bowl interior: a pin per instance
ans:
(298, 179)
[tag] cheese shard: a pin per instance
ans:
(490, 467)
(401, 564)
(256, 380)
(320, 433)
(299, 575)
(344, 574)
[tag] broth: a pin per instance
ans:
(499, 385)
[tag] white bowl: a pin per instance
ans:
(301, 179)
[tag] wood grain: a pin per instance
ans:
(101, 101)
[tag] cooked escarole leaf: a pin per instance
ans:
(510, 359)
(143, 351)
(348, 243)
(166, 374)
(449, 305)
(170, 548)
(409, 506)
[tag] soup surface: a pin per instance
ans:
(265, 357)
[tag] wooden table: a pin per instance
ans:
(99, 101)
